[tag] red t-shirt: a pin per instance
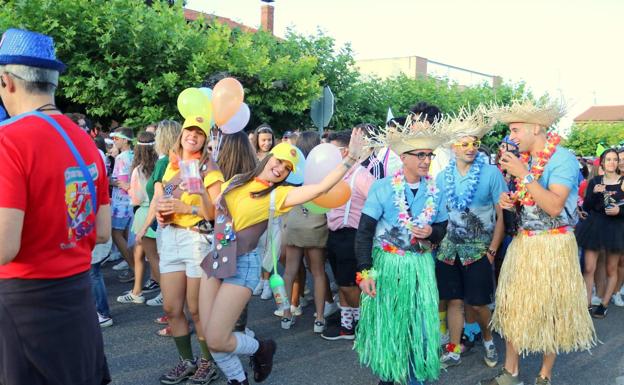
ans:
(40, 176)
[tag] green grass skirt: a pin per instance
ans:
(399, 328)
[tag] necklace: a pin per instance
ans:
(47, 107)
(462, 202)
(522, 195)
(263, 182)
(426, 215)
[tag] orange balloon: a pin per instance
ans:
(336, 197)
(227, 97)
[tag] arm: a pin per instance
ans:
(11, 225)
(103, 224)
(151, 214)
(590, 200)
(499, 233)
(438, 231)
(364, 242)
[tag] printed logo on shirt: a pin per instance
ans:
(80, 221)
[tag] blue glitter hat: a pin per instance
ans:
(28, 48)
(508, 140)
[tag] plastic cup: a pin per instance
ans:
(191, 176)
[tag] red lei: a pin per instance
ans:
(522, 195)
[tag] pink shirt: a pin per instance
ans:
(360, 180)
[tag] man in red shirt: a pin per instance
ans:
(53, 209)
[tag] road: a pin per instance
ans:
(137, 356)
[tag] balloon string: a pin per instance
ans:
(217, 149)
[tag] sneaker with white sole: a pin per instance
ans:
(449, 360)
(128, 297)
(267, 293)
(319, 326)
(295, 310)
(618, 299)
(259, 287)
(150, 286)
(444, 338)
(491, 356)
(596, 300)
(126, 276)
(503, 378)
(330, 308)
(335, 332)
(183, 370)
(156, 301)
(206, 373)
(303, 302)
(250, 332)
(105, 321)
(123, 265)
(287, 323)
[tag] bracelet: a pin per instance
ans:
(194, 210)
(365, 274)
(491, 252)
(348, 164)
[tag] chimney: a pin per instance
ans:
(266, 16)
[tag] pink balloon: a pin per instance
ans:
(238, 121)
(320, 162)
(227, 96)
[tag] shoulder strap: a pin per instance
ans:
(74, 151)
(345, 218)
(270, 230)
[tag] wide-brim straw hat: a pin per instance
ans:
(527, 111)
(415, 136)
(467, 123)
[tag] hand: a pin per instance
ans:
(582, 214)
(505, 201)
(422, 233)
(184, 187)
(513, 165)
(599, 188)
(123, 185)
(490, 257)
(368, 287)
(139, 236)
(356, 144)
(612, 210)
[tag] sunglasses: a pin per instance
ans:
(465, 145)
(422, 155)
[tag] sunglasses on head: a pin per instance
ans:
(422, 155)
(465, 145)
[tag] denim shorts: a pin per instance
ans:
(247, 270)
(121, 223)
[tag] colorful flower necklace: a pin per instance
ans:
(473, 180)
(522, 195)
(426, 215)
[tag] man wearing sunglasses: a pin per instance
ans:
(464, 261)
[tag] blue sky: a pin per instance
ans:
(567, 48)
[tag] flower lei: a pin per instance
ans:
(365, 274)
(405, 219)
(473, 181)
(522, 195)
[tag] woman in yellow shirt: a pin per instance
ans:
(233, 267)
(185, 242)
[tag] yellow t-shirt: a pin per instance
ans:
(247, 211)
(189, 220)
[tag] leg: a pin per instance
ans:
(512, 359)
(293, 260)
(620, 281)
(317, 267)
(192, 301)
(173, 287)
(99, 290)
(120, 240)
(139, 269)
(600, 278)
(547, 365)
(591, 256)
(208, 289)
(612, 277)
(483, 316)
(151, 253)
(455, 317)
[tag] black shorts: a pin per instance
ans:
(341, 255)
(474, 283)
(49, 333)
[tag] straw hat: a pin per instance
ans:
(544, 114)
(416, 136)
(467, 123)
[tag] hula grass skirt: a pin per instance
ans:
(399, 328)
(541, 303)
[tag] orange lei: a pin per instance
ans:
(522, 195)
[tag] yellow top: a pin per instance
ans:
(247, 211)
(189, 220)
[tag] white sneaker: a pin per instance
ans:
(287, 323)
(156, 301)
(105, 321)
(267, 293)
(306, 291)
(250, 332)
(445, 338)
(617, 299)
(595, 300)
(131, 298)
(123, 265)
(258, 289)
(330, 308)
(333, 286)
(622, 290)
(319, 326)
(294, 310)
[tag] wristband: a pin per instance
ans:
(346, 163)
(194, 210)
(365, 274)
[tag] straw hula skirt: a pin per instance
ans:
(398, 333)
(541, 303)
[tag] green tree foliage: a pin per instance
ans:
(128, 62)
(585, 137)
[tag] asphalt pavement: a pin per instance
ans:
(137, 356)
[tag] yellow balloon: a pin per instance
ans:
(193, 102)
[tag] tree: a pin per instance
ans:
(585, 137)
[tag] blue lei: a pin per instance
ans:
(462, 202)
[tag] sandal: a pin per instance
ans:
(164, 320)
(164, 332)
(262, 361)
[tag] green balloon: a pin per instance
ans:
(315, 209)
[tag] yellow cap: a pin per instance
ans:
(286, 151)
(198, 121)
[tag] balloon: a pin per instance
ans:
(206, 91)
(227, 97)
(297, 177)
(320, 162)
(337, 196)
(238, 121)
(193, 102)
(314, 209)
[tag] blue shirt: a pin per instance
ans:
(561, 169)
(380, 206)
(470, 231)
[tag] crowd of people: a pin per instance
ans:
(439, 245)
